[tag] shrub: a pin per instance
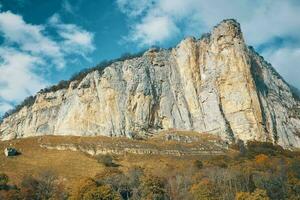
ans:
(106, 160)
(219, 161)
(294, 168)
(262, 161)
(293, 189)
(127, 185)
(45, 186)
(13, 194)
(204, 190)
(82, 187)
(3, 181)
(89, 189)
(103, 192)
(154, 188)
(255, 148)
(198, 164)
(258, 194)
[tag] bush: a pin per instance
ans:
(294, 168)
(255, 148)
(13, 194)
(205, 190)
(219, 161)
(154, 188)
(198, 164)
(103, 192)
(89, 189)
(45, 186)
(258, 194)
(82, 187)
(3, 180)
(106, 160)
(262, 161)
(127, 185)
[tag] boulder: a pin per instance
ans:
(10, 152)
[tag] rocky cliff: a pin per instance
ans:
(215, 84)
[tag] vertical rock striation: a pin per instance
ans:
(215, 84)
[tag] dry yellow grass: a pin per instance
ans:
(70, 166)
(34, 159)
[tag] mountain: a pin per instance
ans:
(216, 84)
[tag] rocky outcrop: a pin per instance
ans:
(161, 144)
(215, 84)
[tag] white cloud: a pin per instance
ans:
(286, 61)
(261, 21)
(17, 79)
(154, 30)
(29, 38)
(272, 19)
(134, 7)
(76, 39)
(28, 51)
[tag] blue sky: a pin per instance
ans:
(42, 42)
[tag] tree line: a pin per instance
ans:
(258, 171)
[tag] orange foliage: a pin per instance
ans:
(262, 160)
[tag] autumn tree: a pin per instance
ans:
(258, 194)
(205, 190)
(153, 188)
(89, 189)
(82, 187)
(45, 186)
(262, 161)
(103, 192)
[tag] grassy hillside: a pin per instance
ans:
(73, 165)
(259, 170)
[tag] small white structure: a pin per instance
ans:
(9, 151)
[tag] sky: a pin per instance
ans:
(43, 42)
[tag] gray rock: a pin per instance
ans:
(9, 151)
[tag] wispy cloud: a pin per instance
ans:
(134, 8)
(261, 21)
(28, 50)
(75, 39)
(67, 6)
(29, 38)
(5, 106)
(17, 76)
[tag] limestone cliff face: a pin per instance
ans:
(215, 85)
